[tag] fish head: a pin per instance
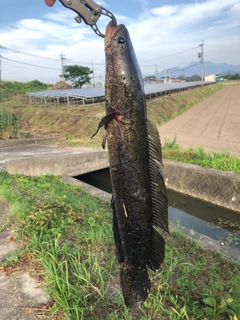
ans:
(123, 75)
(116, 38)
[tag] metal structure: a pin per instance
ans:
(93, 95)
(69, 96)
(155, 90)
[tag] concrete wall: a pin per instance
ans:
(71, 165)
(205, 241)
(217, 187)
(27, 141)
(214, 186)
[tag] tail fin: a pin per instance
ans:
(135, 284)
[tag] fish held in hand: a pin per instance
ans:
(139, 201)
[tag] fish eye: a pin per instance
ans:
(121, 40)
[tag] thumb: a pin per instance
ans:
(50, 3)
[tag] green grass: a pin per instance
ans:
(10, 88)
(79, 122)
(219, 161)
(69, 233)
(166, 108)
(9, 124)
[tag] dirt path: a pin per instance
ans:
(213, 124)
(21, 296)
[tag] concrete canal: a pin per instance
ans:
(214, 221)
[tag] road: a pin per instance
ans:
(213, 124)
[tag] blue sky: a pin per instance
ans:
(164, 33)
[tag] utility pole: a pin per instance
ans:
(156, 72)
(183, 73)
(200, 55)
(93, 76)
(62, 57)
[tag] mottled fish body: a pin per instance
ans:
(139, 200)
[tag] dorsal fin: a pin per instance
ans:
(158, 197)
(158, 189)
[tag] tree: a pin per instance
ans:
(77, 75)
(235, 76)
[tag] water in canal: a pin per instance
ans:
(216, 222)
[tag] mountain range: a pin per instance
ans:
(196, 68)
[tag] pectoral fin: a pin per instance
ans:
(104, 141)
(104, 122)
(115, 114)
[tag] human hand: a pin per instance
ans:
(50, 3)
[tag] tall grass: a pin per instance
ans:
(9, 124)
(9, 88)
(219, 161)
(69, 233)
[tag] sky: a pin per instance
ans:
(165, 34)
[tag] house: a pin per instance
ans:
(210, 77)
(150, 79)
(194, 77)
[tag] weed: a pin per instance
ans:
(219, 161)
(81, 121)
(217, 301)
(171, 145)
(69, 233)
(10, 88)
(9, 124)
(69, 137)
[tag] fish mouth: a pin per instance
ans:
(111, 32)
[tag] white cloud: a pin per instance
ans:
(63, 16)
(165, 11)
(171, 28)
(102, 3)
(160, 32)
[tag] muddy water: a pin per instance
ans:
(215, 222)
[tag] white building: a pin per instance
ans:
(210, 77)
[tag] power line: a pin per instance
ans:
(176, 70)
(9, 65)
(170, 55)
(28, 64)
(88, 63)
(27, 54)
(42, 57)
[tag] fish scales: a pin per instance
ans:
(127, 144)
(134, 169)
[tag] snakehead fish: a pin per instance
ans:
(139, 201)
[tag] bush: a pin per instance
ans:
(9, 124)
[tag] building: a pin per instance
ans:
(210, 77)
(150, 79)
(194, 77)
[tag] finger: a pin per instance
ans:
(50, 3)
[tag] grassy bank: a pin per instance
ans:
(9, 89)
(79, 122)
(219, 161)
(68, 234)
